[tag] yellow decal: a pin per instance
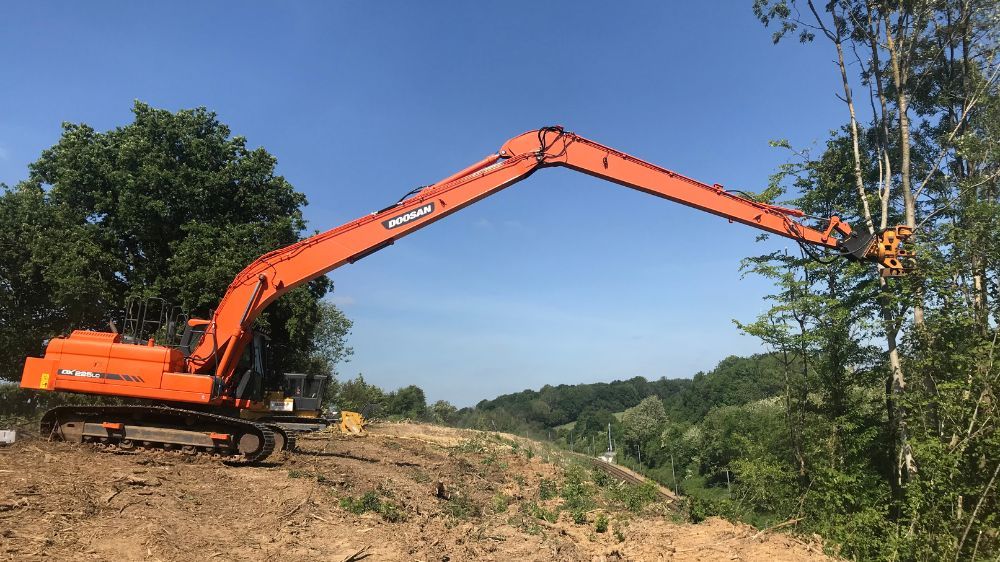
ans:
(44, 382)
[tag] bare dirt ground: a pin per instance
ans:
(60, 501)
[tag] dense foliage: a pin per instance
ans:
(170, 206)
(636, 411)
(888, 423)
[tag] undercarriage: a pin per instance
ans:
(231, 439)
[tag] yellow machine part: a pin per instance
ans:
(352, 423)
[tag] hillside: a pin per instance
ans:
(376, 498)
(734, 381)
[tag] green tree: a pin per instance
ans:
(356, 395)
(644, 421)
(408, 402)
(893, 445)
(444, 412)
(171, 205)
(594, 421)
(327, 347)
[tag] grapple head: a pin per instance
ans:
(886, 252)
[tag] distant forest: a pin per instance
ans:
(736, 380)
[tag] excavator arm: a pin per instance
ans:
(277, 272)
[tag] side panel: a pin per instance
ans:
(188, 383)
(144, 363)
(191, 393)
(81, 355)
(98, 363)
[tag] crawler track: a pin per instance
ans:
(284, 439)
(295, 424)
(234, 440)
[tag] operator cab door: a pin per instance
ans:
(252, 369)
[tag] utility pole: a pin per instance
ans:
(728, 488)
(672, 473)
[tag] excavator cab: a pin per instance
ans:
(253, 369)
(257, 379)
(260, 381)
(194, 330)
(293, 401)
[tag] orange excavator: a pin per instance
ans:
(207, 394)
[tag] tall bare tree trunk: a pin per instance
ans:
(900, 71)
(896, 384)
(885, 162)
(885, 192)
(859, 179)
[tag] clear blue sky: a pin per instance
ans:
(560, 279)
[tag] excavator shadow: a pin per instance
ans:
(354, 457)
(336, 454)
(264, 464)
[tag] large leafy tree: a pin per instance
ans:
(911, 458)
(644, 421)
(171, 205)
(408, 402)
(357, 395)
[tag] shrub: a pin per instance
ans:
(634, 497)
(500, 503)
(391, 513)
(538, 512)
(601, 524)
(600, 478)
(461, 507)
(575, 490)
(547, 489)
(370, 502)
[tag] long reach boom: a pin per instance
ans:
(279, 271)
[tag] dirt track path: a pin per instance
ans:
(67, 502)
